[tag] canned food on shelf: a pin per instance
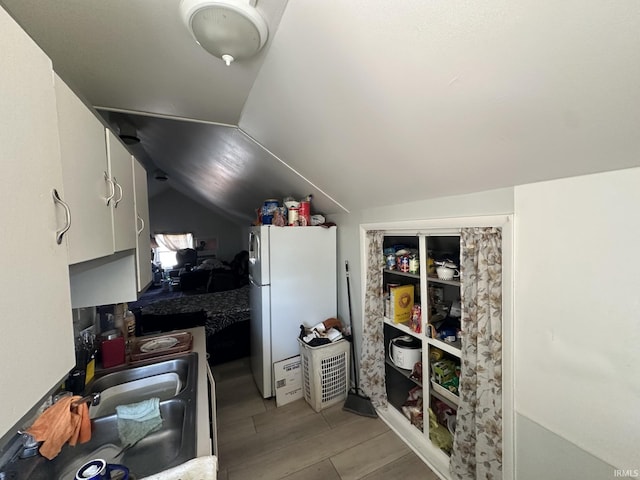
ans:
(269, 207)
(293, 216)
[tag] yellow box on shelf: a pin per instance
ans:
(401, 303)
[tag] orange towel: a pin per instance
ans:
(59, 424)
(82, 433)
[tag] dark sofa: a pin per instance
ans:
(217, 279)
(194, 279)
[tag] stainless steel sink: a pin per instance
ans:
(173, 444)
(180, 365)
(164, 380)
(163, 386)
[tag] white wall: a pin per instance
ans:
(577, 312)
(171, 211)
(544, 455)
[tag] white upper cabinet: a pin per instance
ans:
(124, 214)
(87, 185)
(143, 245)
(121, 276)
(112, 279)
(36, 345)
(98, 174)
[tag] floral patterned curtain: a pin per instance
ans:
(477, 446)
(372, 374)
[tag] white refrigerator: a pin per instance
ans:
(293, 273)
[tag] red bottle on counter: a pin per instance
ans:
(113, 350)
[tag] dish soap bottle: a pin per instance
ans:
(130, 328)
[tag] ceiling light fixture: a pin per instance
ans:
(129, 139)
(160, 175)
(228, 29)
(128, 133)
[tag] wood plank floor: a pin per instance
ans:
(258, 441)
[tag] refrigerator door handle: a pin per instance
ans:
(254, 248)
(256, 284)
(251, 245)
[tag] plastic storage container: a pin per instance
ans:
(325, 373)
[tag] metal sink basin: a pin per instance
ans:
(172, 445)
(164, 380)
(163, 386)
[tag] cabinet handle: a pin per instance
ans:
(115, 205)
(142, 227)
(67, 212)
(112, 188)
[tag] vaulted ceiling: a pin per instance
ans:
(359, 103)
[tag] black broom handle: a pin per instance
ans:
(353, 334)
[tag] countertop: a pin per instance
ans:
(202, 436)
(201, 468)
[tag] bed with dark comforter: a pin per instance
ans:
(225, 316)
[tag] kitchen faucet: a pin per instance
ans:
(23, 445)
(92, 398)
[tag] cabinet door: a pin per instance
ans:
(84, 172)
(124, 215)
(36, 345)
(143, 245)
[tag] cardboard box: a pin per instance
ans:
(401, 303)
(287, 376)
(443, 370)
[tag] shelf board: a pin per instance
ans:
(399, 410)
(403, 327)
(445, 395)
(418, 441)
(402, 274)
(453, 348)
(455, 283)
(402, 371)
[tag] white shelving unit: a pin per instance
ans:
(399, 381)
(426, 234)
